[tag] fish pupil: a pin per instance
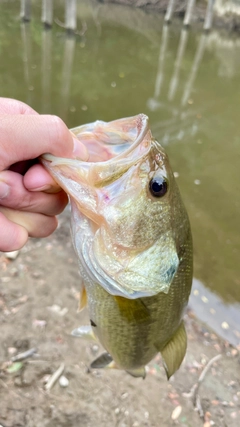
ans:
(158, 186)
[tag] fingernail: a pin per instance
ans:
(4, 190)
(79, 150)
(47, 189)
(43, 188)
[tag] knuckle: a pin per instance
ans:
(58, 127)
(61, 203)
(13, 235)
(44, 226)
(24, 203)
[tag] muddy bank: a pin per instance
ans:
(226, 12)
(38, 310)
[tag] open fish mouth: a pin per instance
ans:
(113, 148)
(115, 178)
(120, 140)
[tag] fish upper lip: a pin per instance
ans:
(143, 131)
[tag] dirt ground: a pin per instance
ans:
(38, 309)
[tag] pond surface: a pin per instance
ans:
(124, 62)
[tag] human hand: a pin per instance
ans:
(29, 197)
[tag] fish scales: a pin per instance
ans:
(133, 241)
(136, 342)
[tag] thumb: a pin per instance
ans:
(24, 137)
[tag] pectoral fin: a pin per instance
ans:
(83, 299)
(174, 352)
(133, 310)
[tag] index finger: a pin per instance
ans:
(13, 106)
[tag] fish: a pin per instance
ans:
(132, 238)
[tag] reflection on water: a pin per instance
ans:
(124, 63)
(68, 57)
(46, 70)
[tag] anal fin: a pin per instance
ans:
(174, 351)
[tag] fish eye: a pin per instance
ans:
(158, 186)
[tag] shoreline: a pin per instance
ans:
(225, 16)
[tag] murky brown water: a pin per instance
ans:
(124, 62)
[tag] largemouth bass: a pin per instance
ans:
(133, 241)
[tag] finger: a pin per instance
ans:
(14, 195)
(12, 106)
(36, 225)
(38, 179)
(24, 137)
(13, 236)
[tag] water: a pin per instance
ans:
(124, 62)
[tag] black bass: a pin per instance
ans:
(133, 241)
